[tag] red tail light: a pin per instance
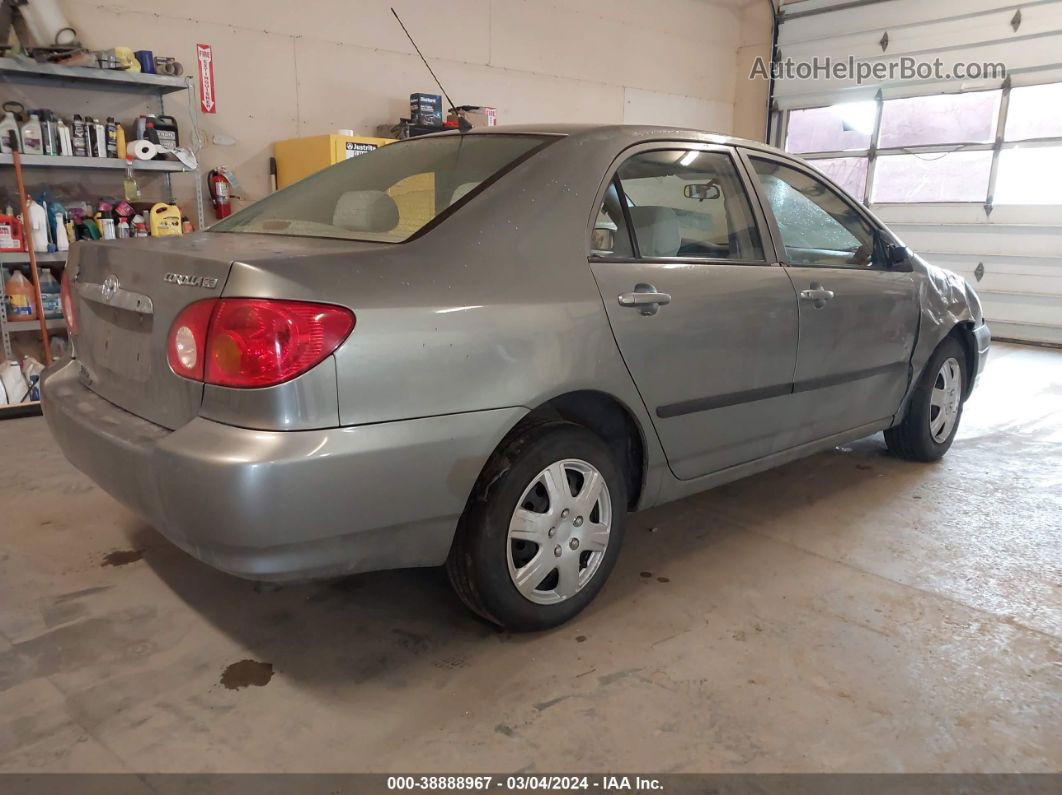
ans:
(67, 300)
(251, 342)
(186, 347)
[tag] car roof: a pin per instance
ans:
(619, 134)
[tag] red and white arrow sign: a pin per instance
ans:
(204, 55)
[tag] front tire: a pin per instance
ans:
(936, 407)
(542, 529)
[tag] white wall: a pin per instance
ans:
(1020, 247)
(294, 69)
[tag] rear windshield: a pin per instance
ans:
(387, 195)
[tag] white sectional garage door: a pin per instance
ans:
(964, 165)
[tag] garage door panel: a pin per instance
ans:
(935, 36)
(1018, 248)
(883, 16)
(982, 241)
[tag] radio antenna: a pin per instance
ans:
(463, 124)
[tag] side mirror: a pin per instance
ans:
(603, 240)
(701, 191)
(897, 255)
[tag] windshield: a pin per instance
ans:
(387, 195)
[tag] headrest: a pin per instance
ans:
(657, 230)
(366, 211)
(462, 190)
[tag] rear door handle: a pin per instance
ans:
(645, 298)
(818, 295)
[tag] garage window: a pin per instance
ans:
(949, 177)
(849, 173)
(979, 147)
(940, 119)
(1022, 176)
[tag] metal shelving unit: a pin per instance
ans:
(114, 163)
(54, 324)
(23, 70)
(30, 73)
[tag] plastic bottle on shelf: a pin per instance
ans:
(165, 220)
(112, 137)
(32, 142)
(49, 138)
(79, 136)
(50, 300)
(62, 240)
(49, 284)
(19, 301)
(38, 226)
(66, 148)
(101, 138)
(8, 126)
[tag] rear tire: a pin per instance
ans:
(542, 529)
(936, 407)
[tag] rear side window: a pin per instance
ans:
(387, 195)
(818, 227)
(686, 203)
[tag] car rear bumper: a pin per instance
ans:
(284, 505)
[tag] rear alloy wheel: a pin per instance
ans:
(936, 406)
(559, 532)
(542, 529)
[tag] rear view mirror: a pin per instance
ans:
(701, 191)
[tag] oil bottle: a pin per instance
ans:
(32, 143)
(79, 136)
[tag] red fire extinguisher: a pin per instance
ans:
(220, 192)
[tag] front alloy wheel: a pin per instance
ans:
(935, 407)
(945, 400)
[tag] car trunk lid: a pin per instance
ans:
(129, 292)
(128, 295)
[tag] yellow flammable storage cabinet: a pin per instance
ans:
(300, 157)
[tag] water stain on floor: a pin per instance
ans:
(247, 673)
(122, 557)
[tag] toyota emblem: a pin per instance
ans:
(109, 288)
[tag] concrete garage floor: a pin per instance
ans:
(849, 612)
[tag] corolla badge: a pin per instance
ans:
(110, 287)
(187, 280)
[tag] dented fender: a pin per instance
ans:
(946, 300)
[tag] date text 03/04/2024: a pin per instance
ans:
(524, 782)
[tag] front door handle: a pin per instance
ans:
(645, 298)
(818, 295)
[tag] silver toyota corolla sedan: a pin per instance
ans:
(485, 349)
